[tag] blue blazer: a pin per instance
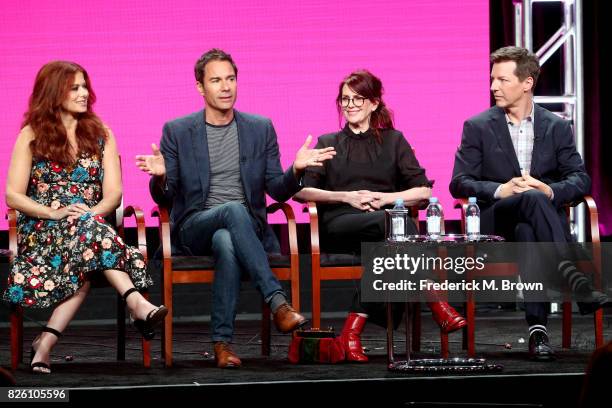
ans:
(184, 146)
(486, 159)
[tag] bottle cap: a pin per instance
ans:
(399, 202)
(472, 200)
(433, 199)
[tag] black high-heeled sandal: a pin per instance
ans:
(154, 318)
(40, 364)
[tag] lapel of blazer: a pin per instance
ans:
(504, 140)
(244, 147)
(199, 143)
(539, 138)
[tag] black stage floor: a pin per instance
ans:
(94, 372)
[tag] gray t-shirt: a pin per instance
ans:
(225, 182)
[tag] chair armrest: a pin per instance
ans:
(11, 216)
(298, 200)
(593, 217)
(284, 207)
(141, 228)
(161, 213)
(291, 225)
(314, 227)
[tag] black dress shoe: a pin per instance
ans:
(592, 301)
(539, 349)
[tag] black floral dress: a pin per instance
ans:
(57, 257)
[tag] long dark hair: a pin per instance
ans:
(369, 86)
(51, 88)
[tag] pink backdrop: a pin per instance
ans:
(431, 55)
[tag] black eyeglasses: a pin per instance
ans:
(357, 101)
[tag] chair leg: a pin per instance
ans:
(265, 329)
(120, 328)
(444, 349)
(390, 350)
(167, 339)
(416, 327)
(16, 318)
(598, 322)
(167, 333)
(464, 339)
(566, 328)
(295, 284)
(407, 321)
(316, 296)
(470, 328)
(146, 344)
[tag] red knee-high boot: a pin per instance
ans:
(351, 337)
(444, 314)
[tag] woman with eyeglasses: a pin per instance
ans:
(373, 167)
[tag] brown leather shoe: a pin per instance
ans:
(286, 319)
(225, 356)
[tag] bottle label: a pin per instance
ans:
(433, 224)
(473, 224)
(397, 226)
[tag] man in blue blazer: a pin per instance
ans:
(214, 168)
(520, 161)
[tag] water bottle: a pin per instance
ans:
(397, 222)
(434, 218)
(472, 219)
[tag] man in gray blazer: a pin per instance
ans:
(214, 168)
(520, 161)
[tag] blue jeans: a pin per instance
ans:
(228, 231)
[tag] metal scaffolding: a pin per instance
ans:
(568, 39)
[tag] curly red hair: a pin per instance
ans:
(51, 88)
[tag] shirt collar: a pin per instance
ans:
(361, 135)
(528, 118)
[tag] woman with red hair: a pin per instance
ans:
(64, 178)
(374, 166)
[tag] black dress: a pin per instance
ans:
(363, 163)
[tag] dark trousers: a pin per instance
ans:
(529, 217)
(344, 234)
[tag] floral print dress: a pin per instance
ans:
(57, 257)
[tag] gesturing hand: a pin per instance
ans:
(152, 163)
(306, 156)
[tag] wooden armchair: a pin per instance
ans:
(200, 269)
(16, 312)
(511, 269)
